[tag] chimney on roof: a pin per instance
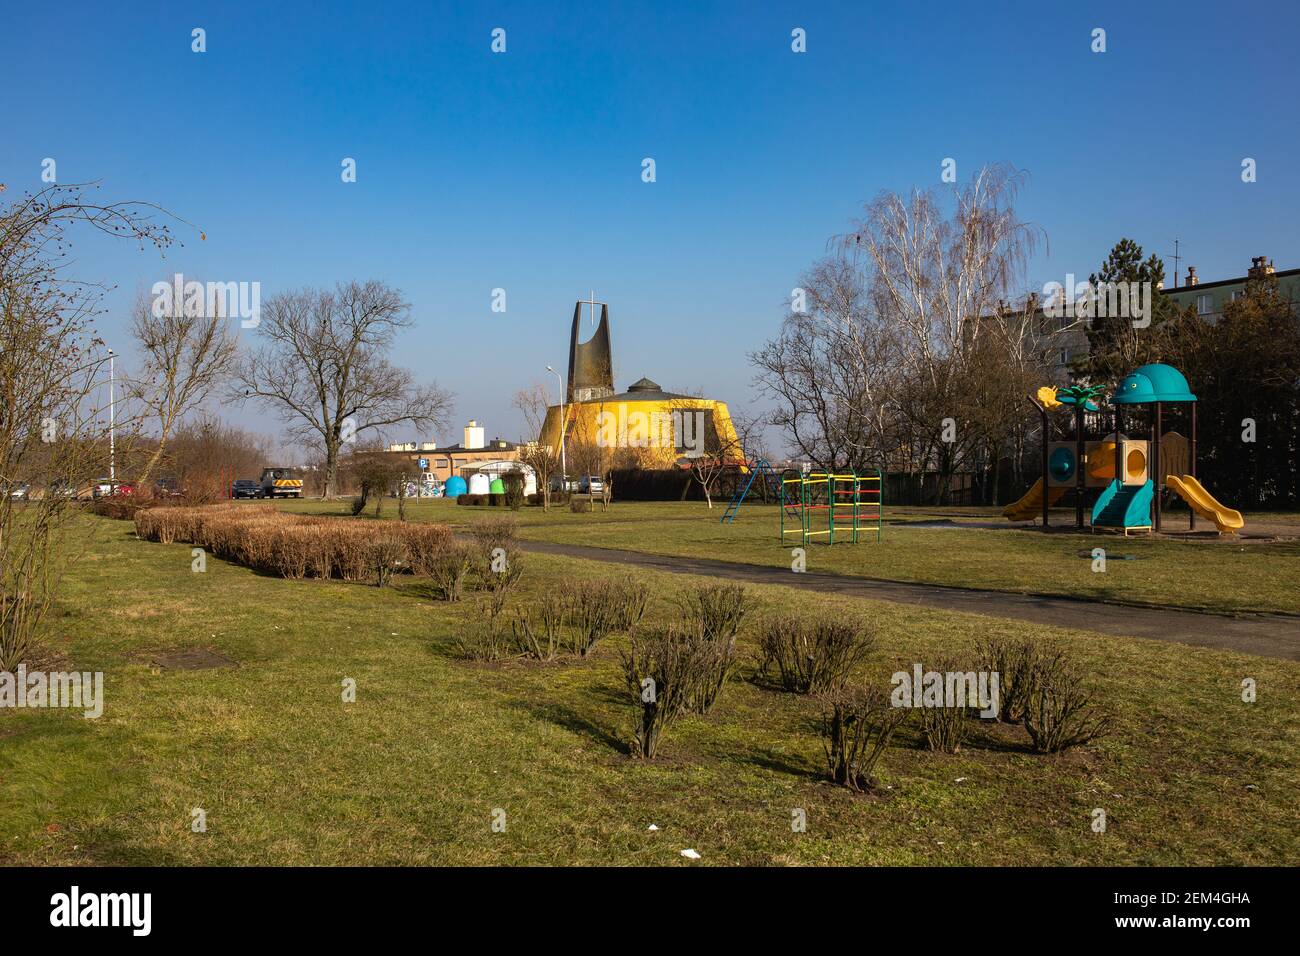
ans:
(1260, 266)
(1191, 276)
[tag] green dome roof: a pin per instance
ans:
(1153, 383)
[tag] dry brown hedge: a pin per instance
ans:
(298, 546)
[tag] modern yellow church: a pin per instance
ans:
(643, 427)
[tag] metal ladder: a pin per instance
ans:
(771, 480)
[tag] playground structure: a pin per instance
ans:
(1132, 473)
(850, 502)
(759, 468)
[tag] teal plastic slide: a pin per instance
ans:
(1124, 506)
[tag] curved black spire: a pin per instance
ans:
(591, 363)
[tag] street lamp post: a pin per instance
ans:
(112, 449)
(564, 467)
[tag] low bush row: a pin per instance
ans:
(302, 546)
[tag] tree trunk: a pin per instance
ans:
(150, 465)
(331, 469)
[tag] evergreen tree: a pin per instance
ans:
(1115, 345)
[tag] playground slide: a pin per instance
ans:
(1203, 503)
(1031, 505)
(1124, 506)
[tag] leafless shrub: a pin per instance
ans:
(660, 673)
(494, 532)
(1014, 662)
(499, 569)
(350, 555)
(711, 659)
(856, 729)
(484, 638)
(386, 556)
(296, 546)
(149, 525)
(1059, 713)
(424, 542)
(812, 655)
(514, 485)
(448, 570)
(292, 549)
(320, 553)
(539, 630)
(632, 599)
(593, 610)
(52, 368)
(717, 609)
(945, 722)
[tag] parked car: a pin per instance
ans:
(281, 483)
(59, 488)
(567, 483)
(20, 491)
(590, 485)
(104, 488)
(245, 488)
(167, 488)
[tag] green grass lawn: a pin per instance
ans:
(412, 772)
(1211, 575)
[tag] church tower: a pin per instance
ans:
(591, 363)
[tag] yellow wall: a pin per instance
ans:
(644, 430)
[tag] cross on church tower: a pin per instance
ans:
(593, 303)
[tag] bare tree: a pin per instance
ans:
(51, 427)
(207, 454)
(186, 353)
(831, 370)
(541, 457)
(881, 366)
(709, 450)
(935, 270)
(323, 367)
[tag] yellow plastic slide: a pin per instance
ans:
(1203, 503)
(1031, 505)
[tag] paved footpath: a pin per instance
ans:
(1265, 635)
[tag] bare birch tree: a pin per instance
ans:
(936, 270)
(185, 354)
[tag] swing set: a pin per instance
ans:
(851, 504)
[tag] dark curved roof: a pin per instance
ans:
(644, 390)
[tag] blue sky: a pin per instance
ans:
(522, 170)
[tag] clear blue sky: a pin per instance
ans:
(522, 170)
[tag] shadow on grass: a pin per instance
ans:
(111, 844)
(565, 716)
(784, 763)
